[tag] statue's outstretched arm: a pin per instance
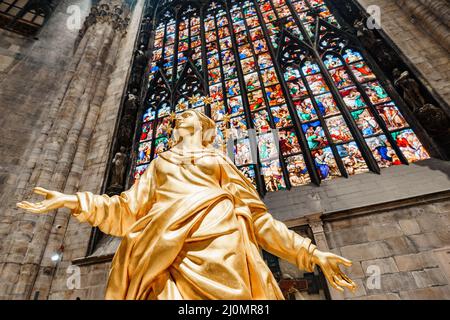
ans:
(113, 215)
(53, 200)
(274, 237)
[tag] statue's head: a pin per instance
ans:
(194, 122)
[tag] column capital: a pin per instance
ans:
(109, 12)
(315, 222)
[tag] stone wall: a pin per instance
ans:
(69, 148)
(398, 220)
(410, 245)
(420, 31)
(400, 240)
(393, 184)
(31, 78)
(33, 75)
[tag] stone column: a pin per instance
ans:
(60, 152)
(440, 8)
(428, 15)
(56, 237)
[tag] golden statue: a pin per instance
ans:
(192, 227)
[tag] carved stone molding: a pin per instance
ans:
(104, 13)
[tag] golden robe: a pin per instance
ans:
(192, 228)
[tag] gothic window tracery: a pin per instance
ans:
(294, 96)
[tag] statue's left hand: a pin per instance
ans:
(53, 200)
(329, 263)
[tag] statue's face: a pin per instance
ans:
(187, 120)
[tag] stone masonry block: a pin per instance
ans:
(366, 251)
(385, 231)
(431, 293)
(346, 237)
(400, 245)
(386, 265)
(394, 282)
(416, 261)
(426, 241)
(429, 278)
(409, 226)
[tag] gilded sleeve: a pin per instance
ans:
(272, 235)
(275, 237)
(115, 215)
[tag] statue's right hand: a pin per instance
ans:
(53, 200)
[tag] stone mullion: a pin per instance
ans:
(252, 136)
(274, 130)
(306, 152)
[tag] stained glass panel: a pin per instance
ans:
(298, 172)
(308, 101)
(383, 152)
(352, 158)
(273, 175)
(410, 145)
(326, 164)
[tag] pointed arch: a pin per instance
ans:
(291, 88)
(189, 39)
(189, 85)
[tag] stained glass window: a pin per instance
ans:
(295, 98)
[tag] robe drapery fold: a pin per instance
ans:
(192, 228)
